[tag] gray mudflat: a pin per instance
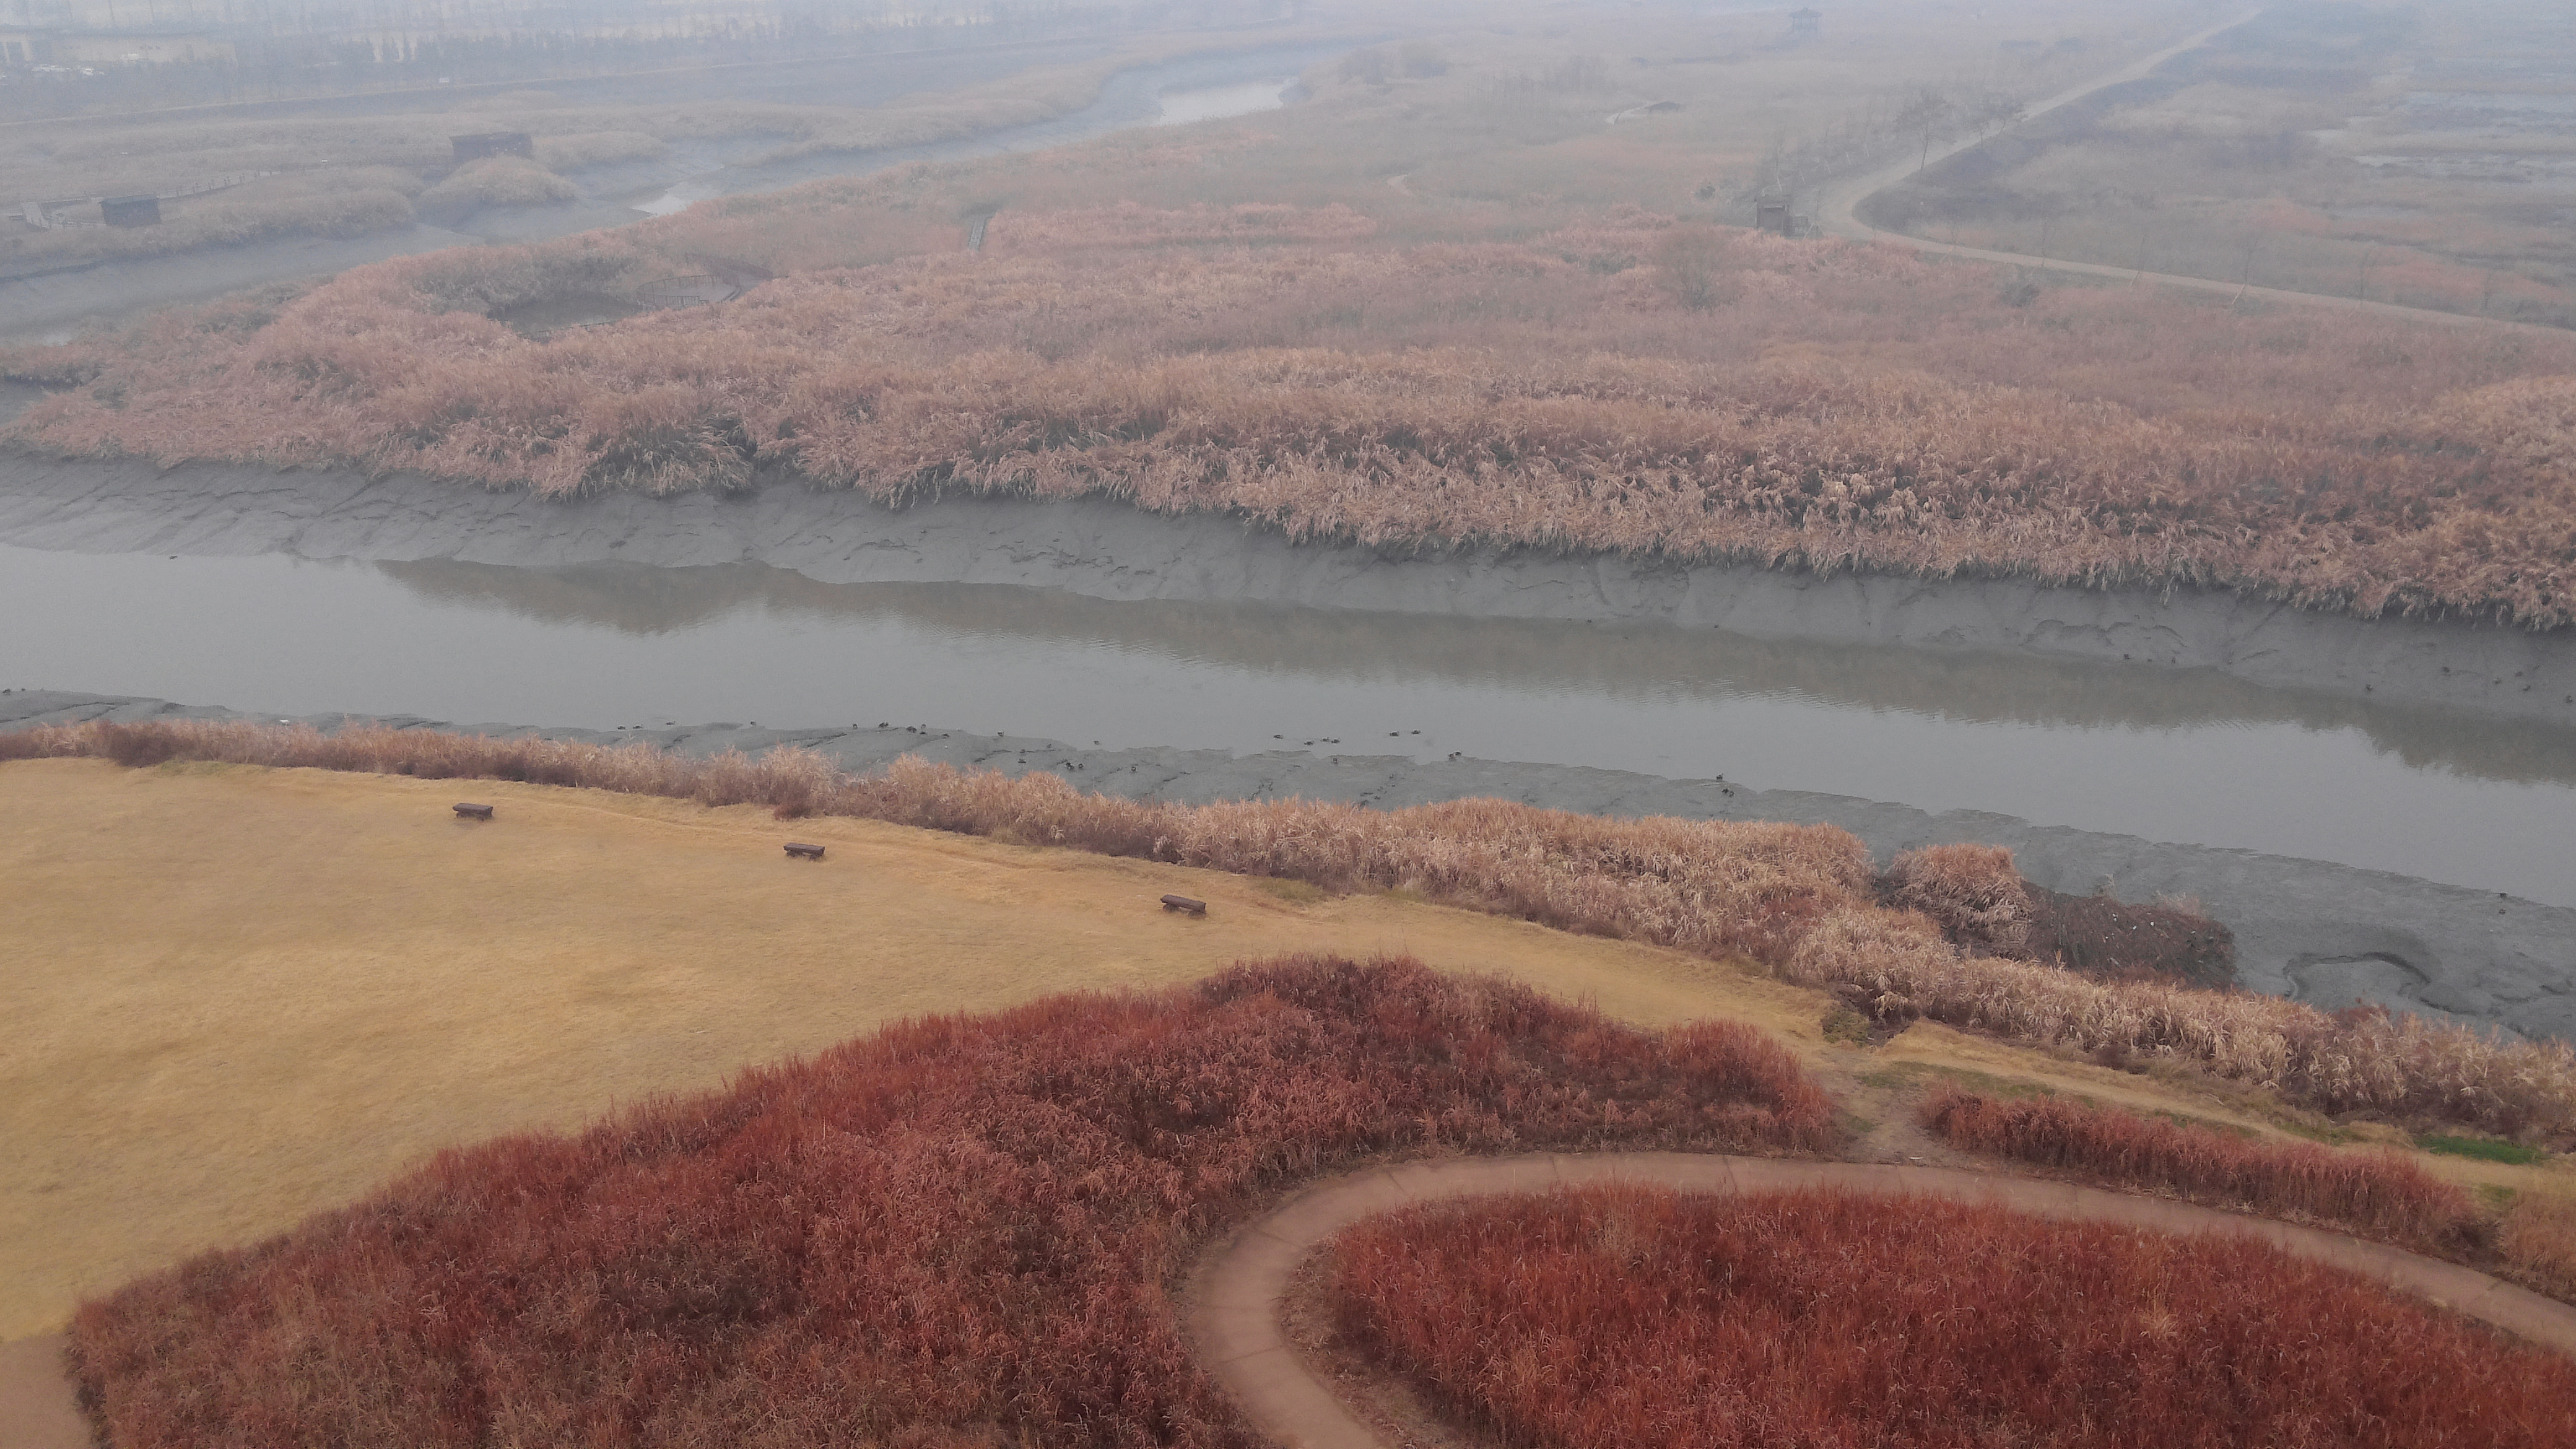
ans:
(1109, 550)
(2327, 934)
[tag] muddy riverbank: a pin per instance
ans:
(2323, 933)
(1108, 550)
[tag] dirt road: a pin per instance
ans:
(1837, 212)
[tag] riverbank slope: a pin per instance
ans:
(2327, 934)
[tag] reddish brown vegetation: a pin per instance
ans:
(1831, 406)
(2538, 1241)
(2381, 1194)
(1797, 899)
(960, 1227)
(1639, 1319)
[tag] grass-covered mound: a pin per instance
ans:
(1642, 1318)
(959, 1231)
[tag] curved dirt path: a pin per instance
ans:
(1234, 1298)
(1837, 212)
(1233, 1304)
(37, 1409)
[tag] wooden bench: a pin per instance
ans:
(1184, 903)
(474, 812)
(801, 851)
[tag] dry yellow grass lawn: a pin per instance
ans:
(240, 995)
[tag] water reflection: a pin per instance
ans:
(1216, 103)
(1634, 661)
(2190, 757)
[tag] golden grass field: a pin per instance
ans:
(242, 995)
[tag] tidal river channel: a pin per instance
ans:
(2173, 755)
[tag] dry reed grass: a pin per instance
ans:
(2401, 1066)
(1836, 407)
(1641, 1318)
(957, 1231)
(1974, 893)
(2382, 1194)
(1795, 898)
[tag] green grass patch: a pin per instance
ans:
(1849, 1027)
(1294, 892)
(2483, 1149)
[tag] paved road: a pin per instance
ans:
(1235, 1297)
(1837, 213)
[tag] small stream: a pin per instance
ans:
(2175, 755)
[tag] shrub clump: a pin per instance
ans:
(1641, 1319)
(2538, 1242)
(2382, 1194)
(1973, 892)
(960, 1226)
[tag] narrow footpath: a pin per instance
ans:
(1234, 1300)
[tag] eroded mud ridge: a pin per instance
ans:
(1109, 550)
(2331, 935)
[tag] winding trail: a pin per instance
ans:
(1234, 1298)
(1837, 212)
(1232, 1307)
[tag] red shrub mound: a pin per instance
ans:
(2538, 1243)
(1638, 1319)
(2382, 1193)
(955, 1232)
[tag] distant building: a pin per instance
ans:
(136, 47)
(1806, 24)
